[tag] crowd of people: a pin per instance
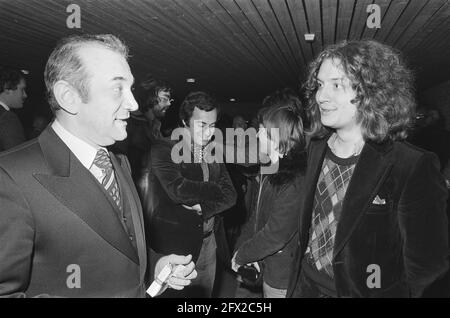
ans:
(100, 201)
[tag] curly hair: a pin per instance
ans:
(383, 84)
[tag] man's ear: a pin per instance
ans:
(67, 97)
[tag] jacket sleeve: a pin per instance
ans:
(180, 189)
(16, 237)
(279, 229)
(423, 225)
(11, 131)
(226, 200)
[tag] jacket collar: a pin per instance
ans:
(4, 106)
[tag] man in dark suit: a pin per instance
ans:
(70, 220)
(189, 194)
(12, 96)
(373, 221)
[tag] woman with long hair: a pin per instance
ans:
(269, 237)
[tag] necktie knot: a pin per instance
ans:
(102, 160)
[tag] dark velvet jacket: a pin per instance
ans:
(406, 237)
(270, 235)
(171, 227)
(54, 214)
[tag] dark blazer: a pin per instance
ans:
(11, 130)
(270, 235)
(406, 237)
(54, 213)
(173, 228)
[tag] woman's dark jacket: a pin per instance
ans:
(270, 234)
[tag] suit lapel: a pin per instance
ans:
(130, 194)
(77, 189)
(316, 153)
(369, 174)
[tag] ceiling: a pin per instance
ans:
(241, 49)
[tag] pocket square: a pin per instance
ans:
(379, 201)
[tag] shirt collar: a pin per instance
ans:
(81, 149)
(4, 106)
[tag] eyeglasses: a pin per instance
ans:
(165, 99)
(420, 116)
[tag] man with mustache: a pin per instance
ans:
(71, 224)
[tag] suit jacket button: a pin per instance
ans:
(131, 237)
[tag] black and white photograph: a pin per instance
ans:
(224, 153)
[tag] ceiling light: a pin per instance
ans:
(309, 37)
(190, 80)
(232, 99)
(26, 72)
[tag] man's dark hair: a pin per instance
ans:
(201, 100)
(147, 91)
(10, 78)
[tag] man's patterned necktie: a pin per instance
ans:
(103, 162)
